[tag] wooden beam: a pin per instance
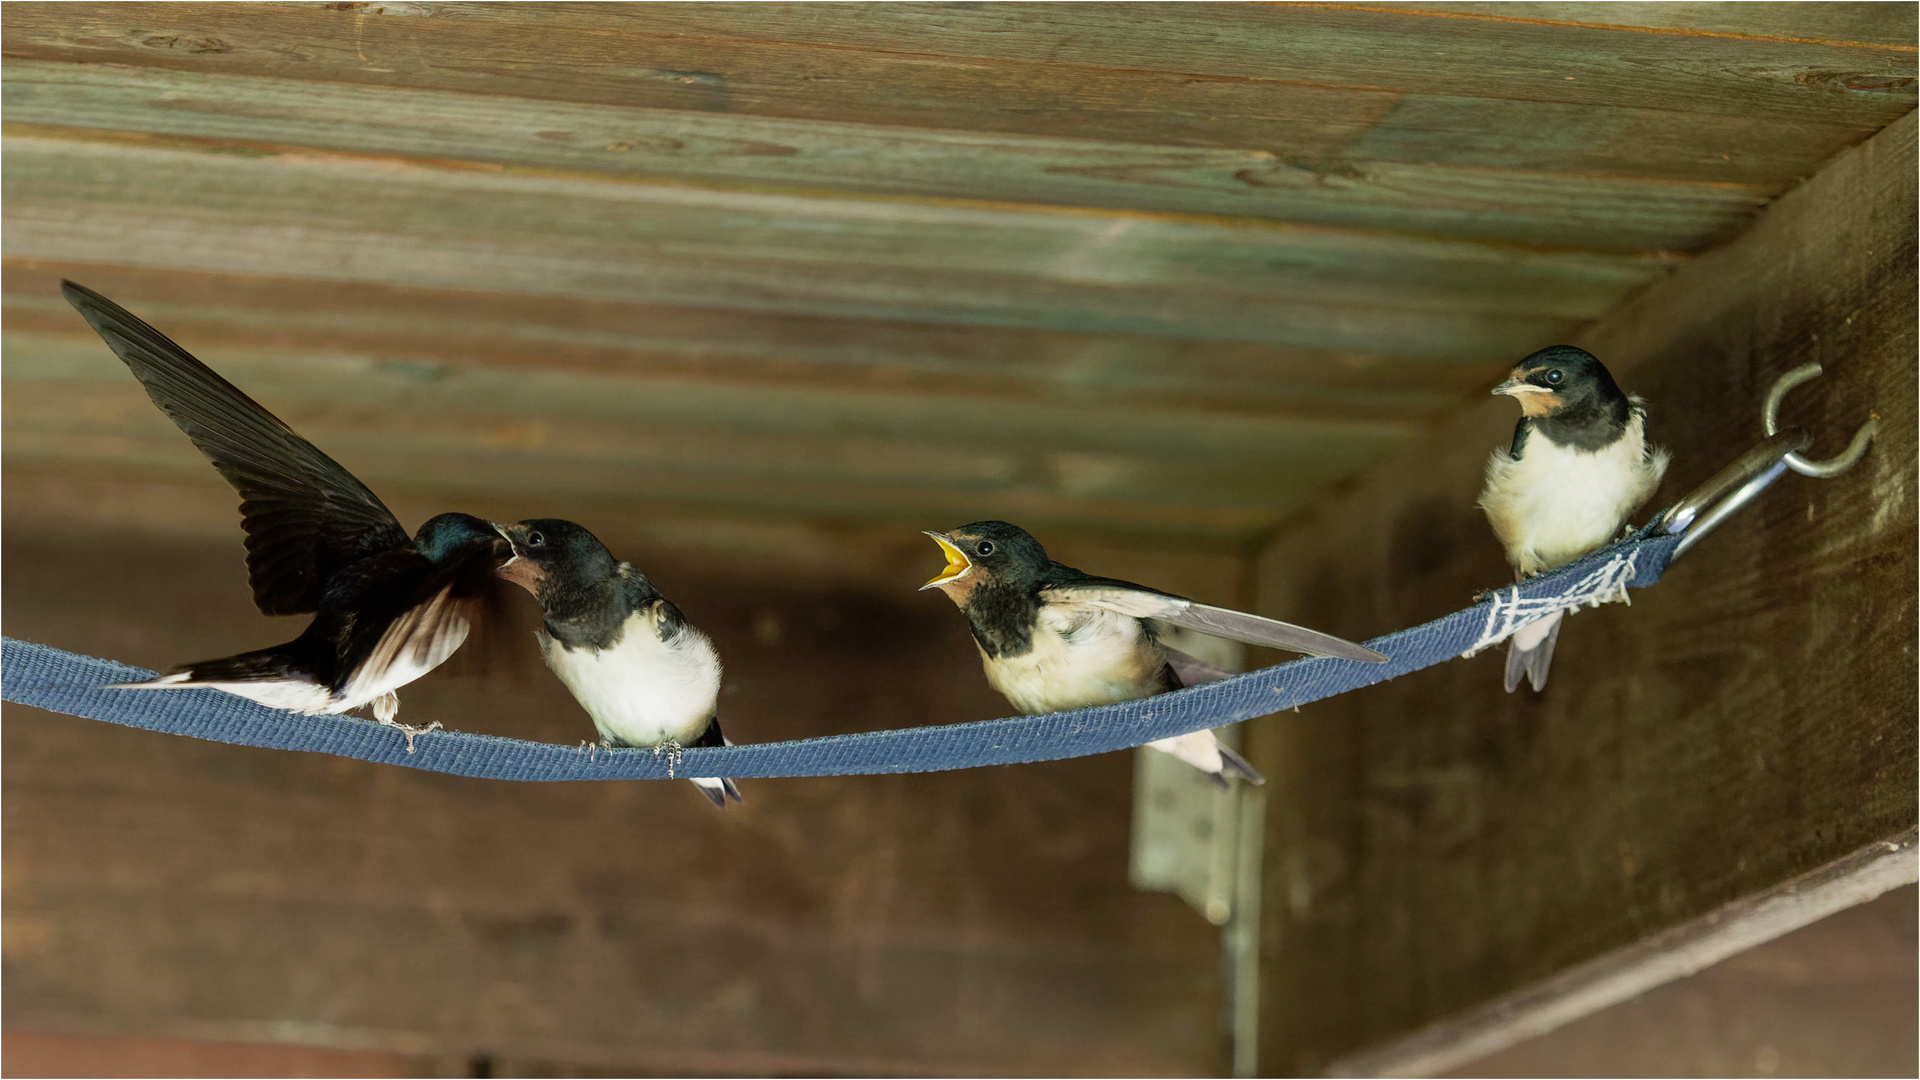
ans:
(339, 218)
(71, 408)
(709, 55)
(1821, 22)
(1436, 171)
(1654, 961)
(918, 66)
(1438, 844)
(434, 332)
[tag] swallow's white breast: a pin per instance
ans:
(1556, 503)
(1082, 655)
(642, 691)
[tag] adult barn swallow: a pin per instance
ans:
(642, 672)
(1054, 638)
(1580, 464)
(387, 609)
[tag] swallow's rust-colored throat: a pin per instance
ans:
(523, 572)
(1534, 399)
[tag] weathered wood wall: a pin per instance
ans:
(977, 922)
(1434, 842)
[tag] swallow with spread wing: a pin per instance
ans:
(387, 608)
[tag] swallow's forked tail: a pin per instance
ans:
(1530, 651)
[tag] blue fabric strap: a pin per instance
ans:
(64, 682)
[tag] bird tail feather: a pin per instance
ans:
(1204, 751)
(264, 665)
(268, 677)
(717, 790)
(1532, 659)
(1231, 762)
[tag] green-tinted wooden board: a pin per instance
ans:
(1581, 141)
(431, 333)
(602, 64)
(68, 400)
(1139, 72)
(1886, 25)
(337, 218)
(1402, 190)
(1335, 45)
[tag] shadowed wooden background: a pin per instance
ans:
(758, 291)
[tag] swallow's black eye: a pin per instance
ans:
(985, 547)
(535, 540)
(1554, 377)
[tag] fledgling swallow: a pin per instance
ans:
(642, 672)
(387, 609)
(1053, 638)
(1580, 464)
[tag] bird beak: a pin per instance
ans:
(520, 570)
(957, 562)
(1518, 386)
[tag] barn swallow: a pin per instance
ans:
(642, 672)
(387, 609)
(1053, 638)
(1580, 464)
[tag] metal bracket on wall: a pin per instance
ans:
(1204, 843)
(1733, 487)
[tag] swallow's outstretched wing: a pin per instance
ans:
(1142, 602)
(304, 515)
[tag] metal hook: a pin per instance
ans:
(1770, 418)
(1738, 484)
(1730, 489)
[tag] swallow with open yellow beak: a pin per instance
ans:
(643, 673)
(1578, 466)
(1054, 638)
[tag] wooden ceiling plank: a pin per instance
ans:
(508, 334)
(538, 492)
(601, 66)
(790, 474)
(1099, 69)
(1361, 46)
(229, 246)
(329, 385)
(431, 228)
(1840, 23)
(67, 399)
(1587, 140)
(1400, 189)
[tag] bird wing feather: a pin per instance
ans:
(1191, 670)
(304, 515)
(1142, 602)
(416, 642)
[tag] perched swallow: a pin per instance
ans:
(1580, 464)
(639, 668)
(387, 609)
(1053, 638)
